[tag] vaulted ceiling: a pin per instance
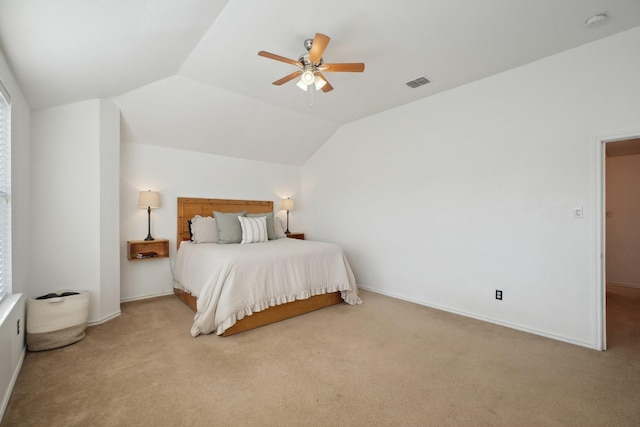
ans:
(186, 74)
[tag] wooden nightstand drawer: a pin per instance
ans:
(293, 235)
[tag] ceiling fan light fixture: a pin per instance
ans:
(302, 85)
(307, 77)
(319, 82)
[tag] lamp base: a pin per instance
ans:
(149, 225)
(287, 232)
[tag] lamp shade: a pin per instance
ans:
(149, 199)
(287, 204)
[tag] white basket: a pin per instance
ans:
(56, 322)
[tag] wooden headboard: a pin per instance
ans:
(189, 207)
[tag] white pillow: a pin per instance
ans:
(254, 229)
(278, 227)
(204, 229)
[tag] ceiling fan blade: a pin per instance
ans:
(280, 58)
(327, 87)
(355, 67)
(320, 42)
(287, 78)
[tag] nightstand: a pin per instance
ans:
(293, 235)
(159, 246)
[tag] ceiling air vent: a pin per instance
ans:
(420, 81)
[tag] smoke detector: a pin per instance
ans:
(596, 20)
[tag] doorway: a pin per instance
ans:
(620, 226)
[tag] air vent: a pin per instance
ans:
(420, 81)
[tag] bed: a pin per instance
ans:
(237, 287)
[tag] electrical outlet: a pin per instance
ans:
(499, 295)
(578, 212)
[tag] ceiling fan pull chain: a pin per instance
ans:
(311, 89)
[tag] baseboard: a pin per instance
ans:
(12, 383)
(104, 319)
(485, 319)
(141, 297)
(118, 313)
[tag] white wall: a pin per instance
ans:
(445, 200)
(623, 219)
(109, 208)
(75, 206)
(180, 173)
(12, 348)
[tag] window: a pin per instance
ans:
(5, 192)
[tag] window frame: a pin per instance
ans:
(5, 192)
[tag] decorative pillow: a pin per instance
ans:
(254, 230)
(270, 227)
(204, 229)
(229, 230)
(278, 228)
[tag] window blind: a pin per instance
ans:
(5, 192)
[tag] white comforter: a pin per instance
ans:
(234, 280)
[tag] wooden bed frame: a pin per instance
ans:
(190, 207)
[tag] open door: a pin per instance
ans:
(619, 225)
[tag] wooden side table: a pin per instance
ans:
(294, 235)
(159, 246)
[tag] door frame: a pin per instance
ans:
(600, 218)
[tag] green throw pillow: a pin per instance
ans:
(229, 229)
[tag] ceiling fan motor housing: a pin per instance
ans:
(304, 60)
(307, 44)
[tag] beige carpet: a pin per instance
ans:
(386, 362)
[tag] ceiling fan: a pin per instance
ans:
(311, 65)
